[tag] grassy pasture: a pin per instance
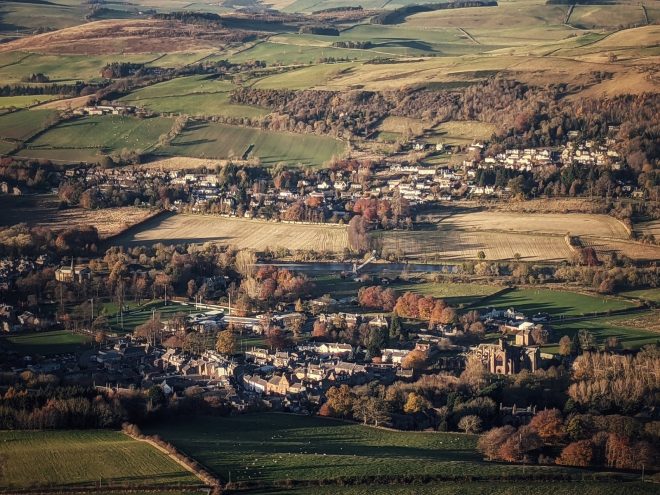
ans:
(63, 68)
(24, 101)
(307, 77)
(194, 95)
(606, 16)
(210, 140)
(268, 447)
(461, 132)
(452, 293)
(82, 458)
(28, 16)
(241, 233)
(556, 302)
(645, 294)
(632, 332)
(290, 54)
(47, 343)
(85, 138)
(24, 123)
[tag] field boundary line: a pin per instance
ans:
(204, 476)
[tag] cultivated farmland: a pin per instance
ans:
(241, 233)
(461, 234)
(210, 140)
(82, 458)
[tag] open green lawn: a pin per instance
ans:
(47, 343)
(336, 286)
(82, 458)
(478, 488)
(269, 446)
(193, 95)
(452, 293)
(209, 140)
(85, 138)
(556, 303)
(630, 330)
(24, 123)
(139, 315)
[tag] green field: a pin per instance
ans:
(27, 16)
(62, 68)
(24, 101)
(139, 315)
(556, 303)
(83, 458)
(452, 293)
(47, 343)
(23, 124)
(630, 336)
(267, 447)
(210, 140)
(307, 77)
(652, 295)
(194, 95)
(85, 138)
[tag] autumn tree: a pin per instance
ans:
(549, 425)
(414, 360)
(340, 401)
(415, 403)
(580, 454)
(490, 442)
(518, 446)
(226, 342)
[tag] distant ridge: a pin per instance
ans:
(399, 15)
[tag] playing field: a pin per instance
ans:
(243, 234)
(84, 139)
(270, 447)
(46, 343)
(209, 140)
(83, 459)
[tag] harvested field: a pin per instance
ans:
(461, 234)
(457, 245)
(43, 211)
(241, 233)
(549, 223)
(66, 104)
